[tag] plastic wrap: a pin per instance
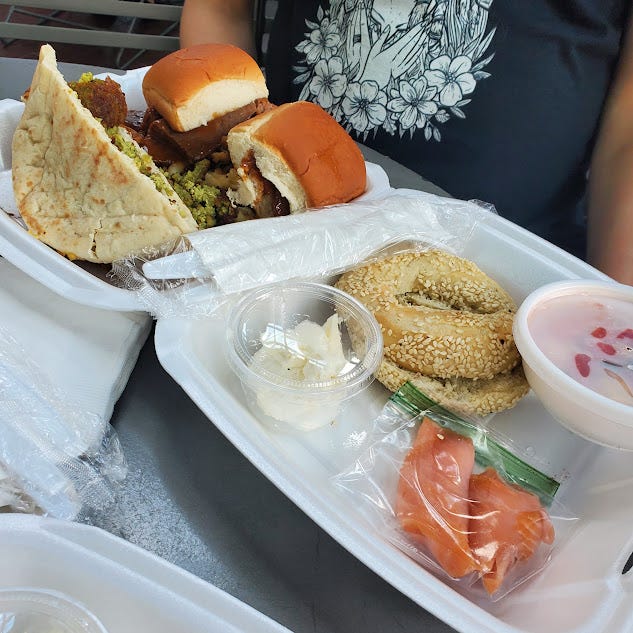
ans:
(54, 459)
(225, 260)
(457, 497)
(193, 295)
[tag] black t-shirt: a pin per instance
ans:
(496, 100)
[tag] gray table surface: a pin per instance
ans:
(193, 499)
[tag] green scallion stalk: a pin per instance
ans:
(488, 452)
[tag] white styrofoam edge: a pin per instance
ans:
(110, 550)
(566, 262)
(377, 183)
(59, 274)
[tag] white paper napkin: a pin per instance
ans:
(84, 354)
(10, 113)
(87, 352)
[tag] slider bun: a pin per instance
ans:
(194, 85)
(303, 151)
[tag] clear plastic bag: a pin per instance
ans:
(54, 458)
(193, 295)
(12, 497)
(196, 274)
(454, 496)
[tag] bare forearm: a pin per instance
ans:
(225, 21)
(610, 222)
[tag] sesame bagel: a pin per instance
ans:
(440, 315)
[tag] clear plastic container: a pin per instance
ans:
(302, 351)
(34, 610)
(571, 401)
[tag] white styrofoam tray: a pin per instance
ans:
(84, 282)
(582, 590)
(124, 586)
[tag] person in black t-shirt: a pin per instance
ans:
(523, 105)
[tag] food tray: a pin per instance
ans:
(582, 590)
(85, 282)
(124, 586)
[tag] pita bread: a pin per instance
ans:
(75, 190)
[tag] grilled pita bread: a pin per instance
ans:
(75, 190)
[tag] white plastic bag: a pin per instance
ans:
(226, 260)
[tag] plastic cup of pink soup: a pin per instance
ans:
(576, 341)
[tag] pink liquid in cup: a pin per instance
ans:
(590, 339)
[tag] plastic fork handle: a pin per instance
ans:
(178, 266)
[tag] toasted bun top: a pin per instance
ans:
(300, 145)
(194, 85)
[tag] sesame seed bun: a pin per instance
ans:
(195, 85)
(302, 151)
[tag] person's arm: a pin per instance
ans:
(610, 220)
(225, 21)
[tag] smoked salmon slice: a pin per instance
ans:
(432, 499)
(507, 526)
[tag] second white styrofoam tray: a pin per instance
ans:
(582, 590)
(124, 586)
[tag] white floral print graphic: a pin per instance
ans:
(414, 103)
(328, 83)
(452, 78)
(364, 105)
(398, 65)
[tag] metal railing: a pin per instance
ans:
(71, 29)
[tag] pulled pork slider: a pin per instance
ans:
(294, 157)
(196, 95)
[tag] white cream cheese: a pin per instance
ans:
(308, 353)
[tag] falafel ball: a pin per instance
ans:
(104, 98)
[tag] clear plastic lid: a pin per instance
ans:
(271, 315)
(34, 610)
